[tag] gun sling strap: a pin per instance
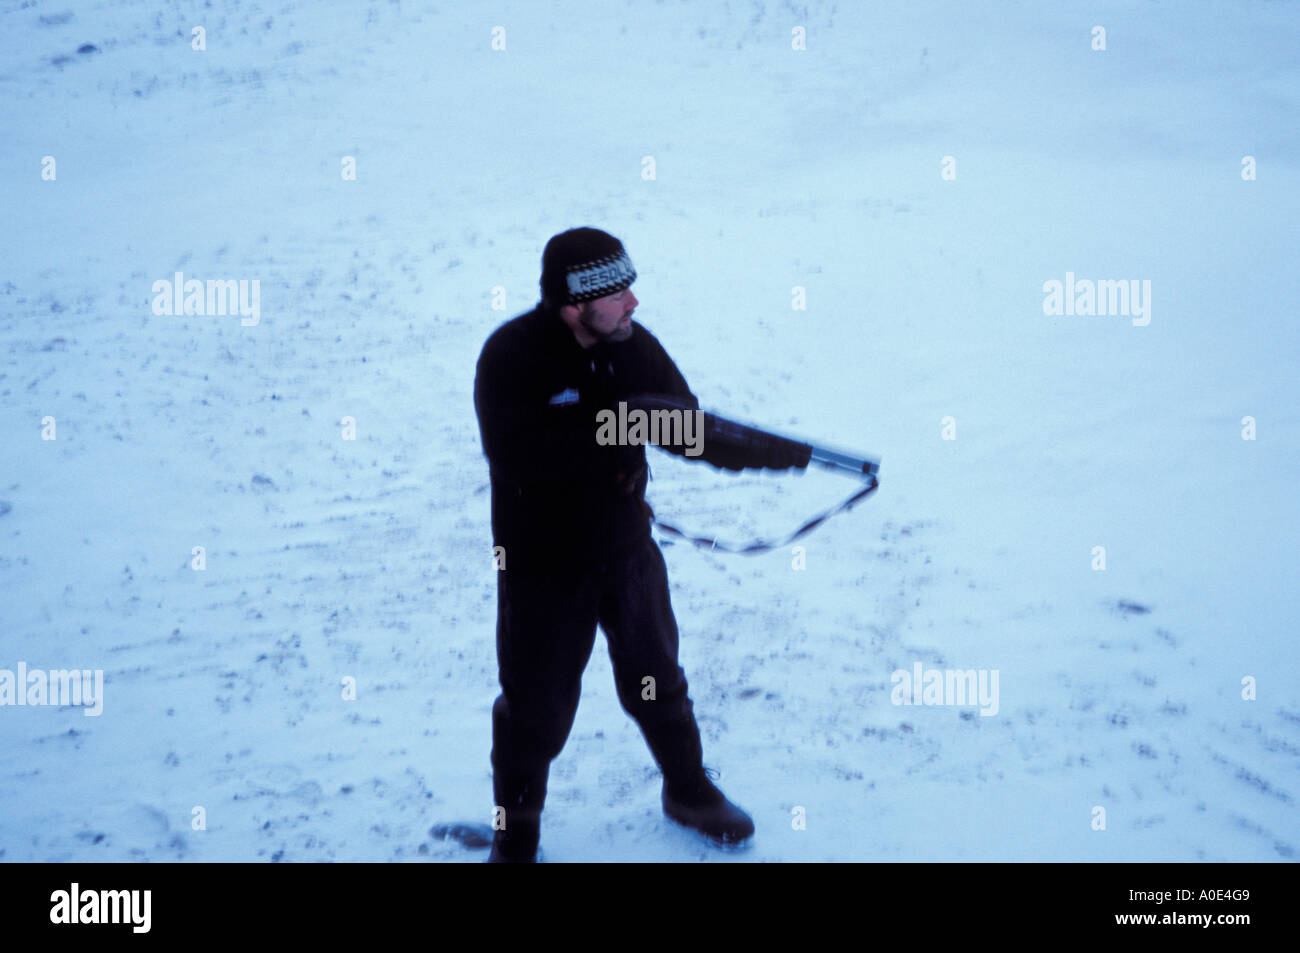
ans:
(751, 439)
(761, 546)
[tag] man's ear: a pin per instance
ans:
(568, 314)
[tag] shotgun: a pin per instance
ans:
(743, 436)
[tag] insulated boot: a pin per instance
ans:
(697, 804)
(517, 844)
(522, 799)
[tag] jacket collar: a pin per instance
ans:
(555, 327)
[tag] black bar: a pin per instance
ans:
(437, 903)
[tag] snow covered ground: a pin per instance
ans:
(773, 168)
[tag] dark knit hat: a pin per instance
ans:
(583, 264)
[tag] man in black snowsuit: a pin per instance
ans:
(573, 530)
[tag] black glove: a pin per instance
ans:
(627, 482)
(625, 469)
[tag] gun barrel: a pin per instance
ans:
(845, 461)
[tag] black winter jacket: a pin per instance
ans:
(560, 500)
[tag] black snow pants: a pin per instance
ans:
(546, 629)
